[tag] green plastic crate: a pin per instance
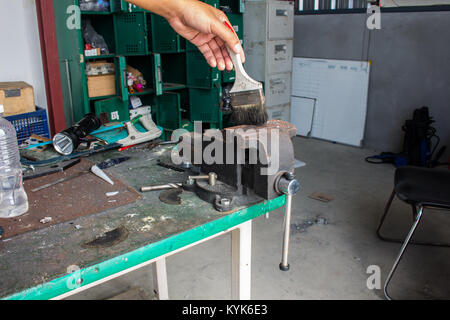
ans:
(103, 25)
(128, 7)
(237, 21)
(205, 105)
(114, 6)
(118, 5)
(163, 38)
(114, 109)
(174, 68)
(149, 66)
(198, 72)
(168, 111)
(131, 33)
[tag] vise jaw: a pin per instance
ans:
(252, 163)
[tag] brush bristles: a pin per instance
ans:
(249, 108)
(249, 115)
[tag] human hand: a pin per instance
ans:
(203, 25)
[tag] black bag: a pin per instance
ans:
(418, 134)
(418, 147)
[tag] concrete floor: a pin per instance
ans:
(332, 244)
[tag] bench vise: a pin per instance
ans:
(250, 163)
(244, 165)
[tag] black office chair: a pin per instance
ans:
(421, 188)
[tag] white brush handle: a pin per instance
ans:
(243, 81)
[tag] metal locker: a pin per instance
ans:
(281, 20)
(279, 56)
(278, 89)
(282, 112)
(268, 38)
(131, 33)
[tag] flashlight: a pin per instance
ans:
(67, 141)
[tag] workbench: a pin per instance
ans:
(51, 263)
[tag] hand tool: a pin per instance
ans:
(126, 148)
(136, 137)
(170, 166)
(48, 185)
(211, 177)
(247, 96)
(103, 165)
(93, 150)
(67, 141)
(183, 167)
(161, 187)
(102, 130)
(102, 175)
(44, 171)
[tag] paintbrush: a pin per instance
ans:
(247, 96)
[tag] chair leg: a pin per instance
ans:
(414, 214)
(386, 210)
(402, 251)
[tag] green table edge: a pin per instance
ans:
(59, 286)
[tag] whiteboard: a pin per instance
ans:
(339, 89)
(302, 113)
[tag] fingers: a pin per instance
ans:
(217, 54)
(227, 35)
(208, 54)
(228, 62)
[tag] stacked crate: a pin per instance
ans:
(180, 86)
(268, 35)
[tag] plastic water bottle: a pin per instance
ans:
(13, 199)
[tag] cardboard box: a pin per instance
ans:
(100, 86)
(17, 98)
(92, 52)
(96, 68)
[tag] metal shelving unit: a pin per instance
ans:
(269, 33)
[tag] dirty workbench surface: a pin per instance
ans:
(35, 265)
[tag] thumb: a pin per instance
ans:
(224, 30)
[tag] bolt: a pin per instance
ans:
(212, 177)
(186, 164)
(289, 175)
(225, 202)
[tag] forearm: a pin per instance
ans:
(166, 8)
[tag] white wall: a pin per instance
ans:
(410, 66)
(20, 52)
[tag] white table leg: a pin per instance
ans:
(160, 279)
(241, 256)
